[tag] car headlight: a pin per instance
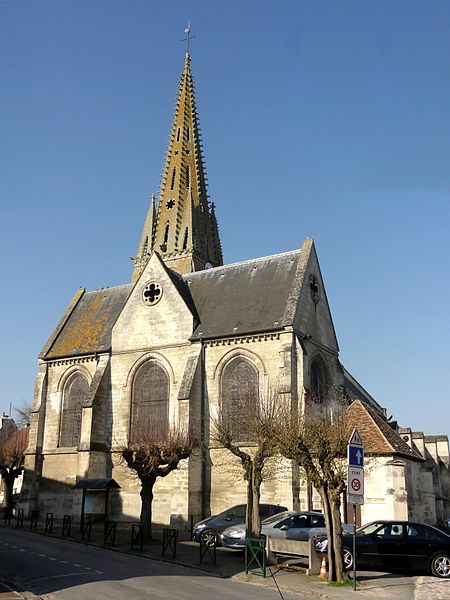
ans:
(200, 526)
(237, 533)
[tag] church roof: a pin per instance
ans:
(254, 296)
(245, 297)
(87, 329)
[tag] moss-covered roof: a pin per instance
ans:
(88, 327)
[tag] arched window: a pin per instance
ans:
(188, 176)
(76, 391)
(318, 382)
(240, 396)
(150, 401)
(172, 183)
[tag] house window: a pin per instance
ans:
(240, 396)
(150, 402)
(75, 393)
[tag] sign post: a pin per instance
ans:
(355, 483)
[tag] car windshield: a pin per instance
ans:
(277, 517)
(237, 512)
(370, 528)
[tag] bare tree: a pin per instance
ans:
(12, 458)
(317, 440)
(23, 414)
(155, 451)
(247, 431)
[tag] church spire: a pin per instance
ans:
(185, 231)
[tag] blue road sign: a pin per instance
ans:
(355, 456)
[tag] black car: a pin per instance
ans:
(397, 545)
(209, 529)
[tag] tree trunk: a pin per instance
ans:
(327, 513)
(146, 508)
(337, 541)
(249, 509)
(256, 518)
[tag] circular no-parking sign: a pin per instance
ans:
(356, 485)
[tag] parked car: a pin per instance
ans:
(289, 525)
(210, 529)
(397, 545)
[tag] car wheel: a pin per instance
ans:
(208, 537)
(440, 566)
(348, 559)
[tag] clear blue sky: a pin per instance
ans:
(319, 118)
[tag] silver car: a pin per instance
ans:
(289, 525)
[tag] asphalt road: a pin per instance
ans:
(63, 570)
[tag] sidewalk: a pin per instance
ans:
(289, 575)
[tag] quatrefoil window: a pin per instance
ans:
(170, 203)
(152, 293)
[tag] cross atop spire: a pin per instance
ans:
(184, 230)
(188, 37)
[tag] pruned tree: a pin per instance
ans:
(247, 431)
(316, 438)
(155, 451)
(12, 458)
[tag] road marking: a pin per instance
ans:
(76, 565)
(51, 558)
(64, 562)
(42, 555)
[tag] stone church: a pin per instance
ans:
(186, 335)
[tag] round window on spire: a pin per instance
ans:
(170, 203)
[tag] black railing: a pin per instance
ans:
(49, 523)
(34, 519)
(137, 536)
(208, 548)
(110, 532)
(169, 541)
(19, 518)
(67, 525)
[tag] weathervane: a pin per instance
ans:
(189, 37)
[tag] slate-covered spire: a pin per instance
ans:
(146, 241)
(185, 232)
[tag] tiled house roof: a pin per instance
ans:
(378, 437)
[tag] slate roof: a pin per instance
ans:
(254, 296)
(377, 435)
(245, 297)
(88, 327)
